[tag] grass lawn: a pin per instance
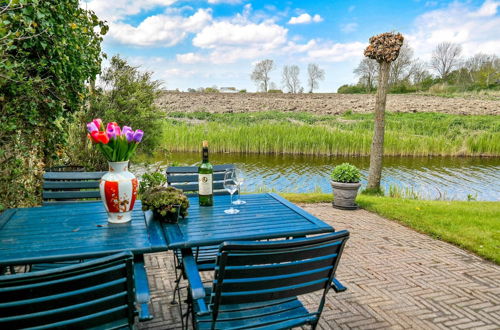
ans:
(474, 226)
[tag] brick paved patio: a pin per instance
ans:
(397, 279)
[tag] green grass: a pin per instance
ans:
(474, 226)
(407, 134)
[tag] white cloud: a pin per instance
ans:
(349, 27)
(266, 35)
(189, 58)
(475, 30)
(337, 52)
(160, 30)
(305, 19)
(114, 10)
(489, 8)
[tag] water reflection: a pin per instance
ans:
(430, 177)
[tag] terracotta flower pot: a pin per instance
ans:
(344, 195)
(118, 192)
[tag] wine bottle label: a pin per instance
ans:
(205, 184)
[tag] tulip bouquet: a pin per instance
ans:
(116, 144)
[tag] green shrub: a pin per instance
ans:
(351, 89)
(128, 98)
(48, 52)
(346, 173)
(151, 180)
(275, 91)
(211, 90)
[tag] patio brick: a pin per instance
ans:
(396, 278)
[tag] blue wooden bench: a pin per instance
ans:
(64, 187)
(93, 294)
(186, 178)
(257, 284)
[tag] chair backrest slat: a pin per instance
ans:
(88, 294)
(60, 187)
(260, 271)
(186, 178)
(279, 269)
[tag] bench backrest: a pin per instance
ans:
(249, 272)
(97, 293)
(61, 187)
(186, 178)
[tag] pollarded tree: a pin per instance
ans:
(315, 74)
(445, 58)
(261, 72)
(384, 48)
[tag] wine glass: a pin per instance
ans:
(239, 179)
(231, 186)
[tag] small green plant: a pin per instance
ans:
(346, 173)
(151, 180)
(167, 203)
(470, 197)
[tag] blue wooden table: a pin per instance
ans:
(264, 216)
(79, 231)
(73, 231)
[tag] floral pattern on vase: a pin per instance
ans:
(118, 190)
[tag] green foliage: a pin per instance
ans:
(48, 51)
(211, 90)
(346, 173)
(165, 202)
(411, 134)
(128, 98)
(276, 91)
(351, 89)
(242, 91)
(151, 180)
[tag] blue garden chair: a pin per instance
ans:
(94, 294)
(256, 284)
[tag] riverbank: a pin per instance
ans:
(473, 226)
(407, 134)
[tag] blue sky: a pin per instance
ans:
(217, 42)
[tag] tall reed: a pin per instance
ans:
(303, 133)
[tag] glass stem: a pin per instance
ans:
(232, 199)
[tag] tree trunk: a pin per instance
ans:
(377, 150)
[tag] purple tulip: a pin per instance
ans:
(126, 129)
(138, 135)
(129, 135)
(92, 127)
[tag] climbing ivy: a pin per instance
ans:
(49, 52)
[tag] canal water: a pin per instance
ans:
(447, 178)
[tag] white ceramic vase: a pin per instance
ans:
(118, 192)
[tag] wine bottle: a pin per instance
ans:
(205, 179)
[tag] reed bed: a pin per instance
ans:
(420, 134)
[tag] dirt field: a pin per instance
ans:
(323, 103)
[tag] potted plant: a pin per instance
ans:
(166, 203)
(345, 183)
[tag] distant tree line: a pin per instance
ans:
(289, 77)
(446, 71)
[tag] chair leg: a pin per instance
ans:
(180, 307)
(177, 280)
